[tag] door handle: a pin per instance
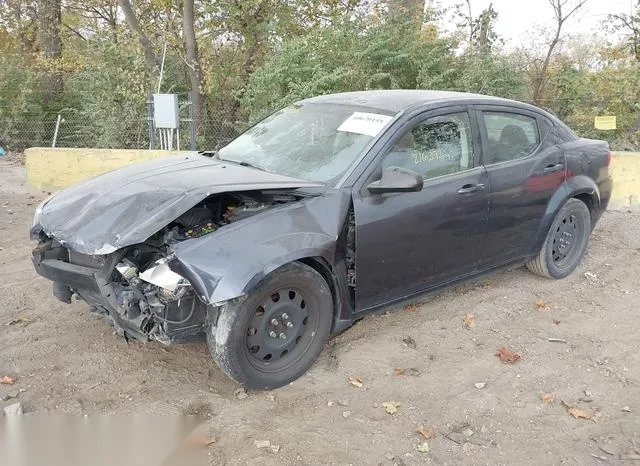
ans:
(471, 188)
(553, 168)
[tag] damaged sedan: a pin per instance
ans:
(327, 210)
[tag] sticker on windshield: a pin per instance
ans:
(369, 124)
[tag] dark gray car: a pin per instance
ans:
(329, 209)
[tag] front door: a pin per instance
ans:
(410, 242)
(525, 168)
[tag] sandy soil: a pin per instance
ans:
(69, 361)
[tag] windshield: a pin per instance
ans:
(316, 142)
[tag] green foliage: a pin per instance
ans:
(489, 74)
(259, 55)
(107, 98)
(350, 57)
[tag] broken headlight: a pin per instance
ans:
(163, 277)
(38, 213)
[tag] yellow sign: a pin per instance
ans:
(605, 123)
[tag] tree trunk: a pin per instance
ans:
(50, 19)
(134, 24)
(541, 79)
(194, 68)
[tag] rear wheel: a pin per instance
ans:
(566, 242)
(273, 335)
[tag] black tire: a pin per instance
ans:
(241, 342)
(566, 242)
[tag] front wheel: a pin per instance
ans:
(566, 242)
(273, 335)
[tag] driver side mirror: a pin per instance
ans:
(396, 180)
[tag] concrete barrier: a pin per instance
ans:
(57, 168)
(625, 170)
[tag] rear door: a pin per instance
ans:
(525, 166)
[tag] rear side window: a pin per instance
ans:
(511, 136)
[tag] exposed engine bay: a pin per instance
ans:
(133, 287)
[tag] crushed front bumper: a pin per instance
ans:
(95, 280)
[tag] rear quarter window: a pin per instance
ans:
(565, 134)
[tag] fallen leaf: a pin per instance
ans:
(547, 397)
(211, 441)
(426, 432)
(423, 447)
(578, 413)
(408, 371)
(507, 356)
(556, 322)
(480, 385)
(542, 306)
(355, 381)
(274, 448)
(410, 342)
(469, 321)
(8, 380)
(411, 307)
(391, 407)
(22, 320)
(626, 409)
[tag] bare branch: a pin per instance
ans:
(541, 79)
(76, 32)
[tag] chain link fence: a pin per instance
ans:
(132, 133)
(122, 129)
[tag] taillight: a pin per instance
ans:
(609, 159)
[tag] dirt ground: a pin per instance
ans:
(69, 361)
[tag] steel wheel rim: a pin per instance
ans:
(566, 240)
(280, 329)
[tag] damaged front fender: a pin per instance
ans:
(232, 261)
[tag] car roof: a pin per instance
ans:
(396, 100)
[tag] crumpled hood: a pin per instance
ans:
(127, 206)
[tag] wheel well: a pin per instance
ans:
(590, 201)
(321, 266)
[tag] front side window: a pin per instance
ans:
(511, 136)
(435, 147)
(310, 141)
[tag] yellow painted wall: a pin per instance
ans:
(56, 168)
(625, 171)
(49, 168)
